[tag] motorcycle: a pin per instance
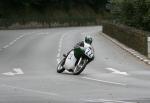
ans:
(71, 64)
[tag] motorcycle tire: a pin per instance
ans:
(79, 71)
(60, 68)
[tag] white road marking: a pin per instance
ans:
(16, 72)
(6, 46)
(103, 81)
(117, 71)
(106, 101)
(58, 55)
(9, 74)
(59, 48)
(58, 60)
(14, 41)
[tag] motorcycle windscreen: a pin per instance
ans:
(70, 61)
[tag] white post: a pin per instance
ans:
(148, 39)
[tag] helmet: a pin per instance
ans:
(88, 40)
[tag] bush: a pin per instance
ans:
(134, 13)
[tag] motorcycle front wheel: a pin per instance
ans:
(60, 67)
(79, 68)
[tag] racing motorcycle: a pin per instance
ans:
(71, 64)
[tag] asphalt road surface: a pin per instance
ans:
(28, 61)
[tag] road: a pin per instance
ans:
(28, 61)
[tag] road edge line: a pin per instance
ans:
(129, 50)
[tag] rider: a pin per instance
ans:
(79, 50)
(80, 46)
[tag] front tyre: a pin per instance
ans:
(78, 70)
(80, 67)
(60, 67)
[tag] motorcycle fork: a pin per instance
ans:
(78, 64)
(79, 61)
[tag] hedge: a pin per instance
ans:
(46, 22)
(131, 37)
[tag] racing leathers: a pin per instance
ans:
(79, 51)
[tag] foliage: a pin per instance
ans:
(19, 7)
(47, 11)
(132, 12)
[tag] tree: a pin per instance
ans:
(132, 12)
